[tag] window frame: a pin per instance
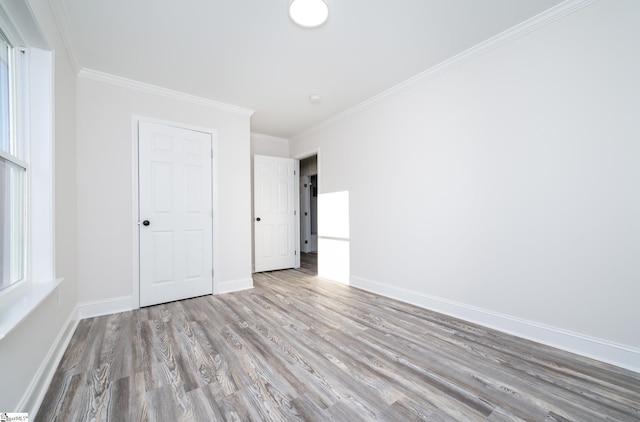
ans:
(16, 154)
(34, 125)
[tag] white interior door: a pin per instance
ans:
(274, 186)
(175, 213)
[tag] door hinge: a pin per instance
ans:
(295, 213)
(211, 153)
(295, 252)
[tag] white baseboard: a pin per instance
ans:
(37, 389)
(591, 347)
(234, 285)
(105, 307)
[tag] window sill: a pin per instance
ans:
(23, 303)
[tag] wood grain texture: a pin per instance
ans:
(300, 348)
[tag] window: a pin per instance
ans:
(27, 270)
(12, 175)
(5, 96)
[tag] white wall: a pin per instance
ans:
(505, 190)
(269, 145)
(29, 354)
(105, 180)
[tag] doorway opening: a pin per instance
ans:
(309, 214)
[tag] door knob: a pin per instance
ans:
(258, 219)
(146, 223)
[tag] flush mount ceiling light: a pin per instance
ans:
(309, 13)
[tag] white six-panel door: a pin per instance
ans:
(175, 213)
(274, 213)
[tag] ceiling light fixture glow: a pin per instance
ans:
(309, 13)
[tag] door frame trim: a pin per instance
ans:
(135, 179)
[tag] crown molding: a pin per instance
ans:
(110, 79)
(61, 17)
(20, 25)
(530, 25)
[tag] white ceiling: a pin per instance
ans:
(248, 53)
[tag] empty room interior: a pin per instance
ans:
(320, 210)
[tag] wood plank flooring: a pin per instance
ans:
(300, 348)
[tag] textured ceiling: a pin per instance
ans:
(248, 53)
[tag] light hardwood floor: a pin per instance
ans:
(299, 348)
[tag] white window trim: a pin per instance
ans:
(21, 299)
